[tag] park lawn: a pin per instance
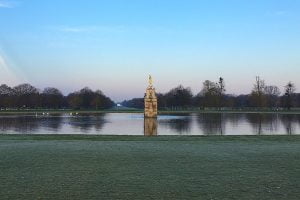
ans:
(163, 167)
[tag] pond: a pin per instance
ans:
(135, 124)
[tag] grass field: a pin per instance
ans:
(164, 167)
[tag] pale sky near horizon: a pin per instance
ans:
(113, 45)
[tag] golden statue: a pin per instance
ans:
(150, 80)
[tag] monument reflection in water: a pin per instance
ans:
(150, 126)
(150, 110)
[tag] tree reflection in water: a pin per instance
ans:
(289, 122)
(86, 122)
(212, 123)
(179, 123)
(150, 126)
(261, 122)
(29, 124)
(195, 124)
(235, 119)
(53, 123)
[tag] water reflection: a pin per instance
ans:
(150, 126)
(29, 124)
(262, 123)
(235, 119)
(135, 124)
(181, 124)
(51, 123)
(212, 123)
(86, 122)
(290, 123)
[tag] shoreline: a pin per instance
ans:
(33, 112)
(167, 138)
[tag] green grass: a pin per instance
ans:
(163, 167)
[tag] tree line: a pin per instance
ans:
(213, 96)
(26, 96)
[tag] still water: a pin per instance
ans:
(134, 124)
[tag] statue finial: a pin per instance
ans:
(150, 80)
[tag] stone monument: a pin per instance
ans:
(150, 110)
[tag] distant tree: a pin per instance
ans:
(6, 90)
(88, 99)
(161, 101)
(137, 103)
(297, 97)
(52, 98)
(52, 91)
(99, 100)
(26, 96)
(96, 101)
(25, 89)
(6, 96)
(289, 95)
(257, 96)
(107, 103)
(179, 97)
(241, 101)
(74, 100)
(198, 101)
(211, 93)
(272, 95)
(86, 95)
(221, 91)
(229, 101)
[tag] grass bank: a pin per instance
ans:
(136, 167)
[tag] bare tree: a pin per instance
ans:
(52, 98)
(289, 94)
(25, 89)
(221, 91)
(179, 97)
(6, 90)
(210, 93)
(272, 95)
(258, 94)
(26, 96)
(88, 99)
(6, 96)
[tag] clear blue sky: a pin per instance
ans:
(113, 45)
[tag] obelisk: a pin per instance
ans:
(150, 109)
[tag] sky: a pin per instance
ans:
(113, 45)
